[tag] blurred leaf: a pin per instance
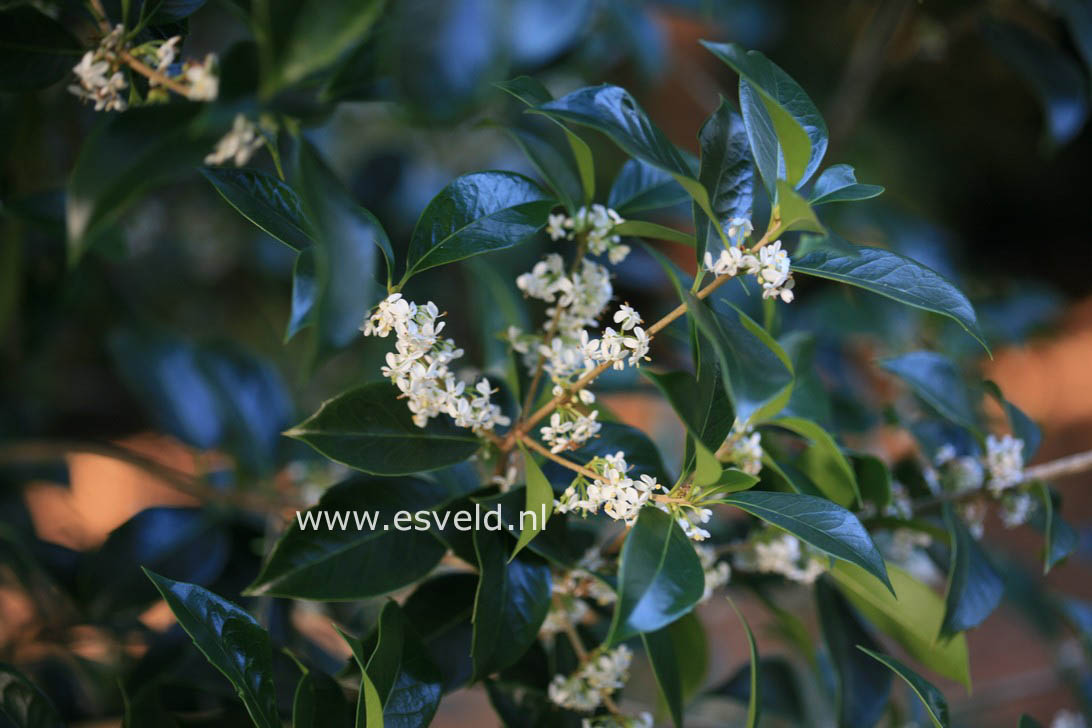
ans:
(890, 275)
(554, 165)
(679, 657)
(757, 373)
(319, 703)
(539, 501)
(873, 480)
(231, 640)
(935, 379)
(512, 600)
(862, 692)
(173, 11)
(787, 133)
(781, 693)
(1026, 721)
(912, 619)
(824, 462)
(539, 30)
(1053, 75)
(335, 538)
(266, 201)
(727, 172)
(930, 697)
(653, 231)
(838, 183)
(825, 525)
(659, 577)
(35, 50)
(1023, 427)
(1060, 538)
(475, 214)
(754, 701)
(640, 186)
(369, 428)
(304, 291)
(24, 704)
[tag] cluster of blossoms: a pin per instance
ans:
(743, 446)
(594, 682)
(1001, 470)
(570, 426)
(239, 144)
(597, 225)
(620, 496)
(571, 588)
(419, 366)
(101, 80)
(776, 552)
(771, 268)
(717, 573)
(689, 517)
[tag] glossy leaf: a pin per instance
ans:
(369, 428)
(266, 201)
(23, 704)
(405, 681)
(35, 50)
(539, 501)
(1060, 538)
(511, 602)
(1023, 427)
(319, 703)
(554, 165)
(679, 658)
(475, 214)
(930, 697)
(799, 138)
(974, 586)
(312, 556)
(824, 462)
(935, 379)
(659, 578)
(913, 619)
(727, 172)
(893, 276)
(640, 186)
(838, 183)
(863, 692)
(231, 640)
(757, 373)
(653, 231)
(440, 610)
(305, 290)
(825, 525)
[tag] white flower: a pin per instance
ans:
(569, 429)
(1016, 508)
(165, 55)
(775, 273)
(596, 679)
(781, 555)
(717, 573)
(739, 229)
(204, 83)
(1005, 461)
(507, 480)
(730, 262)
(974, 515)
(627, 317)
(637, 342)
(555, 227)
(99, 74)
(238, 145)
(746, 448)
(962, 474)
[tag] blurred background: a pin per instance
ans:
(167, 340)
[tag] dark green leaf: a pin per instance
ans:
(35, 50)
(231, 640)
(930, 697)
(838, 183)
(891, 275)
(369, 428)
(825, 525)
(1060, 538)
(304, 292)
(823, 462)
(726, 171)
(653, 231)
(513, 598)
(335, 538)
(23, 704)
(757, 373)
(640, 186)
(679, 657)
(873, 479)
(405, 680)
(475, 214)
(781, 692)
(320, 703)
(935, 379)
(799, 138)
(659, 578)
(754, 702)
(1026, 721)
(266, 201)
(1023, 427)
(440, 610)
(556, 167)
(539, 501)
(863, 691)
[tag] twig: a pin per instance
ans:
(545, 452)
(146, 70)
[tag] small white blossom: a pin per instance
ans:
(717, 573)
(596, 679)
(1005, 461)
(620, 496)
(746, 448)
(202, 78)
(101, 81)
(782, 554)
(555, 227)
(775, 272)
(974, 515)
(238, 145)
(730, 262)
(900, 506)
(570, 429)
(690, 519)
(627, 317)
(739, 229)
(610, 720)
(1016, 508)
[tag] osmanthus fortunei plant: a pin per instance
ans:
(585, 552)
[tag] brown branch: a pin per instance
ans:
(146, 70)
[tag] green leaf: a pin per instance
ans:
(659, 578)
(1060, 538)
(838, 183)
(974, 586)
(369, 705)
(405, 681)
(930, 697)
(726, 171)
(756, 371)
(891, 275)
(440, 610)
(935, 379)
(511, 602)
(1026, 721)
(23, 704)
(312, 556)
(539, 501)
(642, 229)
(35, 50)
(754, 704)
(873, 480)
(781, 692)
(863, 693)
(824, 462)
(231, 640)
(320, 703)
(297, 38)
(1023, 427)
(913, 619)
(369, 428)
(825, 525)
(772, 102)
(129, 153)
(792, 212)
(640, 186)
(679, 657)
(305, 290)
(475, 214)
(555, 166)
(266, 201)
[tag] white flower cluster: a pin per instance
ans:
(620, 496)
(1005, 461)
(570, 589)
(717, 573)
(239, 144)
(1004, 466)
(419, 366)
(771, 268)
(1016, 508)
(596, 679)
(597, 225)
(570, 426)
(745, 448)
(99, 74)
(689, 517)
(782, 554)
(959, 473)
(614, 346)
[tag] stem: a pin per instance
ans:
(145, 70)
(545, 452)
